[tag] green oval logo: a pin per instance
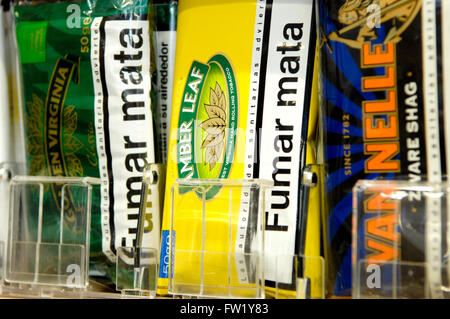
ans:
(208, 123)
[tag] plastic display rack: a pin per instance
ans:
(217, 250)
(401, 240)
(42, 258)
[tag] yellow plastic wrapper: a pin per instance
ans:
(244, 107)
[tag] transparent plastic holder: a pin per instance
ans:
(216, 238)
(48, 235)
(306, 280)
(2, 263)
(136, 272)
(137, 267)
(401, 240)
(7, 171)
(151, 209)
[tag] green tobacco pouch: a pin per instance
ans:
(86, 69)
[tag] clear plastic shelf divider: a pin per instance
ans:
(136, 272)
(137, 267)
(2, 262)
(216, 238)
(151, 209)
(401, 241)
(305, 281)
(47, 246)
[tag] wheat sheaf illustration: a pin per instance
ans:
(215, 126)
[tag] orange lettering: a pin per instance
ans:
(378, 56)
(389, 105)
(385, 252)
(383, 227)
(380, 82)
(381, 201)
(382, 159)
(380, 131)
